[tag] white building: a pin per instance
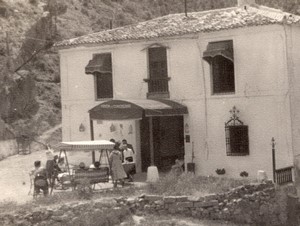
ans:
(202, 66)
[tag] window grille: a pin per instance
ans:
(236, 135)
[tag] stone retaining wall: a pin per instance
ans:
(76, 214)
(257, 204)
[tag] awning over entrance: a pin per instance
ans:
(100, 63)
(223, 48)
(136, 109)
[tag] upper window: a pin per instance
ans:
(104, 85)
(222, 71)
(220, 57)
(158, 79)
(158, 62)
(101, 67)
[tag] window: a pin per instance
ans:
(104, 86)
(158, 62)
(158, 81)
(101, 67)
(220, 57)
(237, 141)
(222, 75)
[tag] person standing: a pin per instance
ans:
(128, 161)
(124, 142)
(117, 170)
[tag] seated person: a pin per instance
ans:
(177, 169)
(126, 145)
(128, 161)
(81, 167)
(39, 177)
(97, 165)
(61, 164)
(94, 166)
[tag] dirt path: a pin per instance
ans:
(48, 133)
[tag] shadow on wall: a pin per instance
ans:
(297, 173)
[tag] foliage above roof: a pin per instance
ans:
(179, 24)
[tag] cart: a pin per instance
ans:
(74, 176)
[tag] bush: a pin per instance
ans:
(79, 33)
(57, 104)
(220, 171)
(84, 189)
(189, 184)
(33, 2)
(2, 50)
(84, 12)
(244, 174)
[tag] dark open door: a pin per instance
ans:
(168, 141)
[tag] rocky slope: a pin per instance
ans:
(29, 68)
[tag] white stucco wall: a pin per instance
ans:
(293, 46)
(261, 87)
(261, 96)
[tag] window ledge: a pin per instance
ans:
(158, 95)
(237, 154)
(223, 95)
(152, 79)
(104, 99)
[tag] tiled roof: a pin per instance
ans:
(179, 24)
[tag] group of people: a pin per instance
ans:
(121, 159)
(43, 177)
(122, 162)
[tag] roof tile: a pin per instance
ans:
(179, 24)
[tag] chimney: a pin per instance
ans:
(242, 3)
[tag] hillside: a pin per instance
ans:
(29, 68)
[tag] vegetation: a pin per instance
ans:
(169, 184)
(29, 68)
(165, 220)
(189, 184)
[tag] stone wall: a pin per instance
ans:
(76, 214)
(258, 204)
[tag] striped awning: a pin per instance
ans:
(100, 63)
(92, 145)
(136, 109)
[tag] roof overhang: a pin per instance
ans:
(136, 109)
